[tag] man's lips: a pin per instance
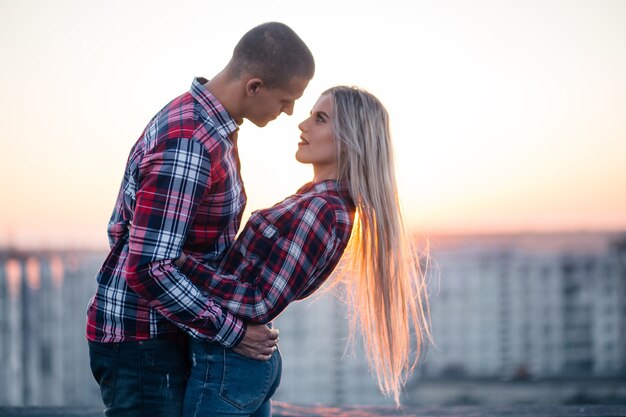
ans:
(303, 141)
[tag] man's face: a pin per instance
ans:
(268, 103)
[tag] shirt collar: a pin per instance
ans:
(326, 186)
(224, 123)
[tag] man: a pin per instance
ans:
(182, 190)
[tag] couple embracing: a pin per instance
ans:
(180, 324)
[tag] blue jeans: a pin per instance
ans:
(224, 383)
(140, 379)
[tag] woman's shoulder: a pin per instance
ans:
(312, 208)
(330, 192)
(329, 210)
(315, 204)
(324, 200)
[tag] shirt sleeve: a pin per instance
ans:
(171, 185)
(290, 267)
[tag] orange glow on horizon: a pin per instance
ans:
(57, 271)
(33, 273)
(13, 271)
(504, 119)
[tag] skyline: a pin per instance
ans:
(506, 116)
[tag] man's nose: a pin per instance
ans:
(288, 109)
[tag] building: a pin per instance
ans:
(43, 351)
(519, 308)
(530, 307)
(520, 318)
(319, 363)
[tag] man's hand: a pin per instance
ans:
(258, 343)
(180, 260)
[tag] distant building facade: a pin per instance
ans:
(516, 308)
(319, 365)
(513, 310)
(43, 351)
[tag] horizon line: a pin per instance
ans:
(436, 234)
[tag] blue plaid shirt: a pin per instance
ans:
(182, 190)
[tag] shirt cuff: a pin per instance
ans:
(189, 266)
(232, 331)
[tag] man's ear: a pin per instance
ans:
(253, 86)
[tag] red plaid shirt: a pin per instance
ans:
(181, 190)
(284, 253)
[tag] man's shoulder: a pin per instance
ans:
(179, 118)
(183, 118)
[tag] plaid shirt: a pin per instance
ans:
(181, 190)
(284, 253)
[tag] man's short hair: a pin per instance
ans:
(273, 52)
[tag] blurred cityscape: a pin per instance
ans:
(517, 319)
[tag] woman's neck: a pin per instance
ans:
(324, 173)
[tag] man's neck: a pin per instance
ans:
(226, 92)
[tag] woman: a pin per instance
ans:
(286, 252)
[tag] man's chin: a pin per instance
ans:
(261, 123)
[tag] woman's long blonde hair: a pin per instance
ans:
(386, 284)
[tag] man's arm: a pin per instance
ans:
(172, 185)
(288, 270)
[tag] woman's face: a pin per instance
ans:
(317, 141)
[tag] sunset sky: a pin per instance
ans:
(507, 116)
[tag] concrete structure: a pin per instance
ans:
(43, 352)
(288, 410)
(504, 308)
(495, 392)
(513, 310)
(520, 308)
(319, 365)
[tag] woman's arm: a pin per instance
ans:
(290, 265)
